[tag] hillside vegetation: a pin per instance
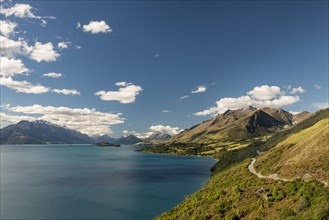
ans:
(230, 131)
(301, 155)
(298, 153)
(235, 193)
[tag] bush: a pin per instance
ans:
(302, 204)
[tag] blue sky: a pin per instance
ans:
(230, 53)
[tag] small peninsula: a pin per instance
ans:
(107, 144)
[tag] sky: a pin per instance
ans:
(135, 67)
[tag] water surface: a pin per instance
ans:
(88, 182)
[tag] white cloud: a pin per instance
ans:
(297, 90)
(121, 84)
(85, 120)
(165, 111)
(96, 27)
(78, 47)
(294, 112)
(19, 10)
(78, 25)
(23, 86)
(10, 48)
(23, 11)
(126, 94)
(11, 67)
(272, 96)
(210, 111)
(44, 52)
(67, 91)
(200, 89)
(63, 45)
(317, 86)
(166, 129)
(6, 119)
(7, 28)
(52, 75)
(265, 92)
(183, 97)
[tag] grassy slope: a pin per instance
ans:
(235, 193)
(302, 154)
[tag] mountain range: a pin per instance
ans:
(43, 132)
(232, 128)
(242, 124)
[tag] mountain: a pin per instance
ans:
(105, 138)
(292, 160)
(301, 117)
(41, 132)
(158, 136)
(300, 152)
(233, 125)
(129, 140)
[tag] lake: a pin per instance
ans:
(89, 182)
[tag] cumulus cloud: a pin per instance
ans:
(183, 97)
(6, 119)
(96, 27)
(297, 90)
(85, 120)
(78, 25)
(67, 91)
(294, 112)
(265, 92)
(165, 111)
(19, 10)
(63, 45)
(23, 11)
(259, 97)
(200, 89)
(23, 86)
(52, 75)
(317, 86)
(121, 84)
(44, 52)
(7, 28)
(166, 129)
(126, 94)
(10, 48)
(11, 67)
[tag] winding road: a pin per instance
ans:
(272, 176)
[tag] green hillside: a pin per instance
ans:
(235, 193)
(230, 131)
(301, 155)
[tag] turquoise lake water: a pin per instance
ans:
(88, 182)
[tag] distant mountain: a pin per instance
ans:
(41, 132)
(232, 125)
(158, 136)
(105, 138)
(301, 117)
(129, 140)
